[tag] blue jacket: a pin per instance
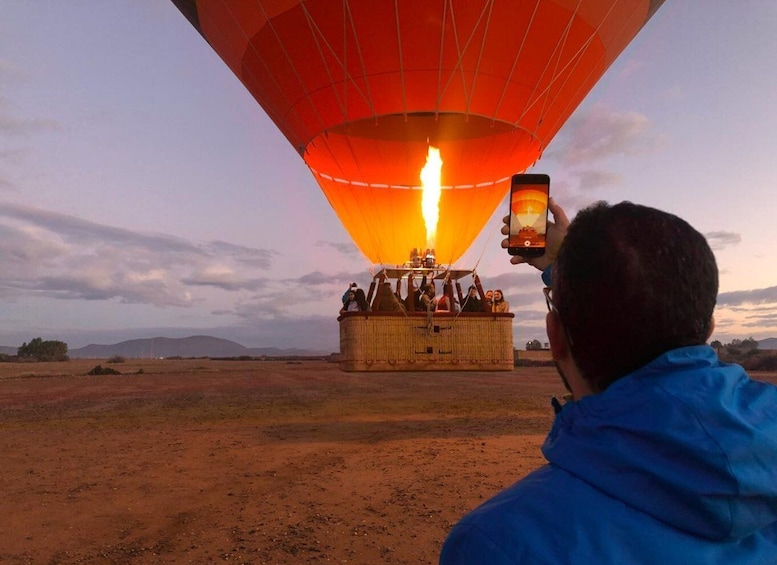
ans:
(673, 464)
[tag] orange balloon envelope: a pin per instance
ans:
(362, 88)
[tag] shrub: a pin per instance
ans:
(100, 370)
(763, 361)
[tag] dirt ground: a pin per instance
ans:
(202, 461)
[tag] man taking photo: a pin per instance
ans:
(664, 454)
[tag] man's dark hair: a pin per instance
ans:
(630, 283)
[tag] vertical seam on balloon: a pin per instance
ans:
(515, 62)
(368, 94)
(318, 38)
(578, 57)
(401, 60)
(275, 116)
(439, 65)
(535, 97)
(291, 65)
(460, 55)
(482, 48)
(604, 55)
(545, 96)
(346, 75)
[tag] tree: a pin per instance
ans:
(44, 350)
(533, 345)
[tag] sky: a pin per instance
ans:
(144, 193)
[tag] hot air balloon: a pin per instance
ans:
(412, 116)
(363, 89)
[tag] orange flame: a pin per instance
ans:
(430, 201)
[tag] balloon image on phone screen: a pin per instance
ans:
(528, 214)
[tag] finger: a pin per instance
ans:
(506, 220)
(505, 230)
(559, 216)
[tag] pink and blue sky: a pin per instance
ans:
(144, 193)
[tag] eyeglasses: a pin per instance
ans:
(552, 308)
(549, 300)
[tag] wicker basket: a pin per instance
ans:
(388, 341)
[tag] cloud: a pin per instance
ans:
(269, 307)
(600, 134)
(319, 279)
(348, 249)
(721, 239)
(129, 288)
(63, 257)
(755, 296)
(763, 322)
(19, 127)
(591, 180)
(260, 258)
(225, 279)
(524, 280)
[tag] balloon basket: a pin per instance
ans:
(408, 340)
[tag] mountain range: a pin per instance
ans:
(194, 346)
(207, 346)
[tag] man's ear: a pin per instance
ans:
(559, 347)
(712, 327)
(562, 355)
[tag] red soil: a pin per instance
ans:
(199, 461)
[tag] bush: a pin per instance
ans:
(761, 361)
(117, 359)
(100, 370)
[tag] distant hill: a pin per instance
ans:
(769, 343)
(195, 346)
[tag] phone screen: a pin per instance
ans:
(528, 214)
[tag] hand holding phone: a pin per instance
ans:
(528, 216)
(557, 230)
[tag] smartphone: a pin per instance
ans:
(528, 214)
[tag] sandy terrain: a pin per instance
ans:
(200, 461)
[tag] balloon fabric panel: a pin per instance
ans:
(361, 89)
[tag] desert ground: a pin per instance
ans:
(205, 461)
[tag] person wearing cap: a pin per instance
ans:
(663, 454)
(351, 288)
(357, 302)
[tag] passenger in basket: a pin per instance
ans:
(413, 300)
(500, 304)
(472, 303)
(353, 286)
(442, 304)
(427, 298)
(489, 305)
(356, 302)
